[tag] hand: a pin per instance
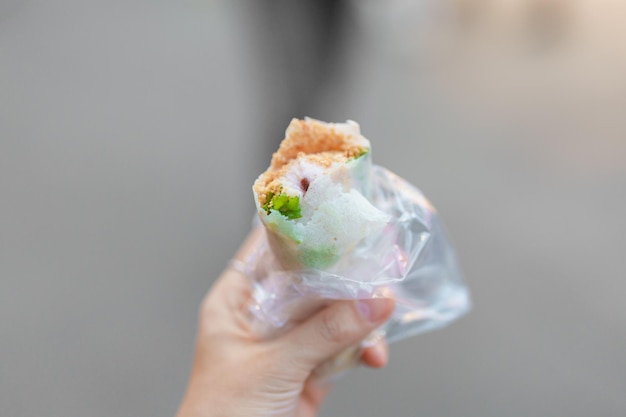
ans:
(235, 374)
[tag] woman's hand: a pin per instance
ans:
(235, 374)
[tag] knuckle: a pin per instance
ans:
(332, 329)
(209, 318)
(206, 309)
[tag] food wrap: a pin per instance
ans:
(338, 227)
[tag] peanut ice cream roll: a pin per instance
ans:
(313, 199)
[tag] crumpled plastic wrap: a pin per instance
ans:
(411, 260)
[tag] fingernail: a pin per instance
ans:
(373, 309)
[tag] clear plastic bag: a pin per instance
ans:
(412, 260)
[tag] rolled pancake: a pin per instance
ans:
(313, 199)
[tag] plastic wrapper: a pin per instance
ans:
(347, 229)
(411, 260)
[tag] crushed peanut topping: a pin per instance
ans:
(317, 142)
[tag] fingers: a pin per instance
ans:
(375, 356)
(238, 263)
(250, 245)
(225, 306)
(337, 327)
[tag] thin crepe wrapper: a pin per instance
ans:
(412, 260)
(295, 252)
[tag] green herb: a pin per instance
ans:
(288, 206)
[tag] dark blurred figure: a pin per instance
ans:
(300, 45)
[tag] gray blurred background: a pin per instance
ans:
(131, 132)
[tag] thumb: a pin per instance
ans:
(341, 325)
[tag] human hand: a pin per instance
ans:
(236, 374)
